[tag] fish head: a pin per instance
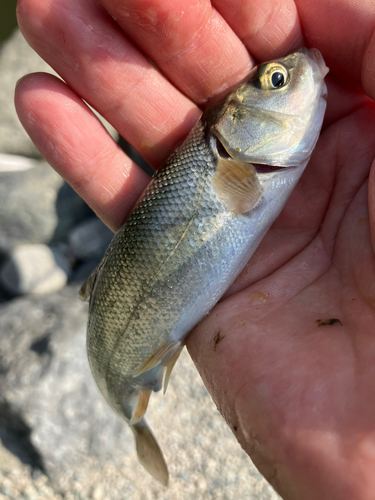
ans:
(274, 117)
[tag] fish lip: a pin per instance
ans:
(320, 69)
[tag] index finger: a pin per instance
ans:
(267, 28)
(343, 30)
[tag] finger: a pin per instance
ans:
(371, 204)
(76, 144)
(268, 28)
(80, 41)
(343, 30)
(342, 100)
(188, 40)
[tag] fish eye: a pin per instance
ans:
(277, 79)
(272, 76)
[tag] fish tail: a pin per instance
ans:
(149, 452)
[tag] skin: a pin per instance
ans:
(298, 394)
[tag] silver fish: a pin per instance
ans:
(194, 229)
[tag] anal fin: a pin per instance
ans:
(149, 452)
(141, 408)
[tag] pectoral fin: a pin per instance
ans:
(237, 186)
(149, 452)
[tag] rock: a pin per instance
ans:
(46, 385)
(70, 210)
(15, 163)
(17, 482)
(89, 239)
(52, 408)
(37, 206)
(5, 296)
(35, 269)
(83, 271)
(17, 59)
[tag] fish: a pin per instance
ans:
(194, 229)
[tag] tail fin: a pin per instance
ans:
(149, 452)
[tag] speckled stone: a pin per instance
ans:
(89, 239)
(37, 206)
(35, 269)
(84, 448)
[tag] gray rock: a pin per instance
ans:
(89, 239)
(83, 271)
(16, 60)
(47, 388)
(15, 163)
(70, 210)
(35, 269)
(37, 206)
(50, 404)
(5, 296)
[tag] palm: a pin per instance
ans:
(298, 395)
(310, 383)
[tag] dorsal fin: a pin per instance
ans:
(237, 186)
(86, 289)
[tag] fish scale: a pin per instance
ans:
(140, 250)
(193, 230)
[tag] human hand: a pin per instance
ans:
(298, 396)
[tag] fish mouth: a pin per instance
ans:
(267, 169)
(261, 168)
(320, 66)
